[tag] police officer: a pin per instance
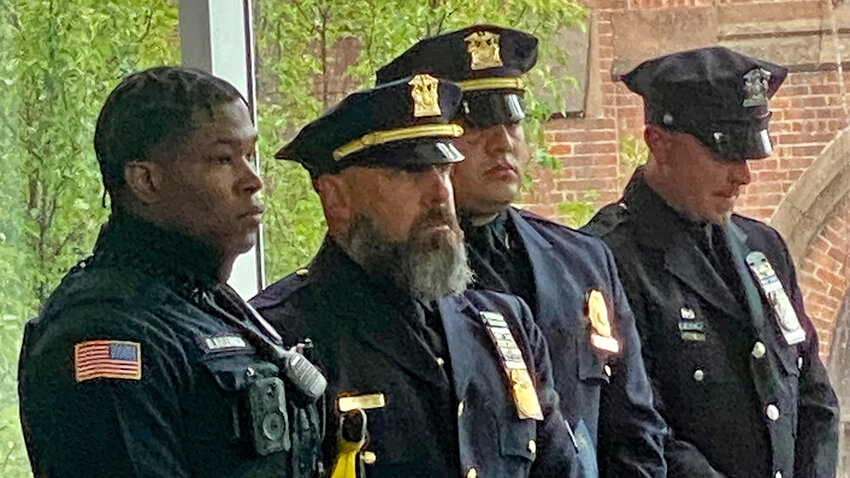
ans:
(728, 345)
(143, 362)
(452, 384)
(567, 277)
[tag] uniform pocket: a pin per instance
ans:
(233, 372)
(518, 439)
(591, 367)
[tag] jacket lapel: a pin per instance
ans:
(687, 262)
(460, 321)
(548, 303)
(737, 239)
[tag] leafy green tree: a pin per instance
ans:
(305, 65)
(58, 59)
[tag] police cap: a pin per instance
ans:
(405, 124)
(485, 60)
(715, 94)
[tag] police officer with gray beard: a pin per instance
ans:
(143, 362)
(731, 352)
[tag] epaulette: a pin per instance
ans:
(281, 290)
(607, 219)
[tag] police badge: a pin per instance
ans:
(426, 96)
(789, 323)
(483, 48)
(756, 86)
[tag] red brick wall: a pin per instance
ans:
(809, 110)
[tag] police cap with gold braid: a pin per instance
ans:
(486, 61)
(404, 124)
(715, 94)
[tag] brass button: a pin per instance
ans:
(759, 350)
(699, 375)
(369, 457)
(532, 446)
(772, 412)
(472, 473)
(460, 410)
(440, 361)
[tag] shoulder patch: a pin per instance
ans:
(119, 359)
(607, 219)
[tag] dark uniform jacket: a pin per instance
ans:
(603, 395)
(447, 414)
(185, 415)
(740, 401)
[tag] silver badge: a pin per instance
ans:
(756, 86)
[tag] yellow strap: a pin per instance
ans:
(495, 83)
(380, 137)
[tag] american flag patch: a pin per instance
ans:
(107, 359)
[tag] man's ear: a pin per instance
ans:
(658, 141)
(337, 201)
(144, 179)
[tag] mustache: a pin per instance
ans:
(437, 216)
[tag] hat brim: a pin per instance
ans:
(482, 109)
(408, 154)
(735, 143)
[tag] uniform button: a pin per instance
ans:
(607, 369)
(772, 412)
(778, 474)
(368, 457)
(800, 363)
(460, 410)
(759, 350)
(699, 375)
(440, 361)
(249, 372)
(472, 473)
(301, 272)
(532, 446)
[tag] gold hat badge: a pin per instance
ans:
(483, 48)
(425, 92)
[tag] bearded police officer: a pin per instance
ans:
(453, 384)
(568, 278)
(732, 355)
(144, 363)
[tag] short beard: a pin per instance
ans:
(427, 266)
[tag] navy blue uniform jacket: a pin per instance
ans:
(613, 404)
(439, 420)
(739, 400)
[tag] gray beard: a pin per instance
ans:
(427, 267)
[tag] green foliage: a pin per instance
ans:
(577, 213)
(58, 59)
(300, 74)
(633, 152)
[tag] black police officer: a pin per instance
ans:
(453, 385)
(567, 277)
(732, 355)
(143, 362)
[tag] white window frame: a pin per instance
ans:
(217, 36)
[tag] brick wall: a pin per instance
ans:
(809, 110)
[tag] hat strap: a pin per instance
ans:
(380, 137)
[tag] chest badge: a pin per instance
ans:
(690, 328)
(513, 363)
(597, 312)
(769, 283)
